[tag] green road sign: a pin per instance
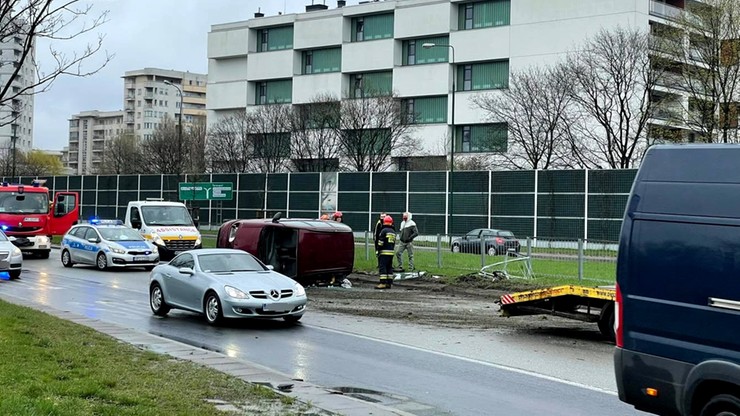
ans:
(206, 191)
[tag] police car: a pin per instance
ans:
(107, 243)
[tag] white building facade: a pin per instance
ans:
(342, 51)
(88, 133)
(150, 94)
(16, 118)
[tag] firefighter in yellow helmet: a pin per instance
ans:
(386, 246)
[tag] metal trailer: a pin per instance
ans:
(590, 304)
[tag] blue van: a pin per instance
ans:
(678, 283)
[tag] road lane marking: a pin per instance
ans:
(471, 360)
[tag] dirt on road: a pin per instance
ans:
(469, 303)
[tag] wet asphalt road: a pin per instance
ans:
(339, 352)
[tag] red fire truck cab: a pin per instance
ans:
(29, 219)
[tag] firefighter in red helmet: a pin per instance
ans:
(386, 247)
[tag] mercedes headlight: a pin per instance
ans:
(155, 249)
(299, 290)
(197, 241)
(16, 251)
(235, 293)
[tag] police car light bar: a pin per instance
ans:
(105, 222)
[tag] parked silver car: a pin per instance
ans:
(224, 283)
(11, 258)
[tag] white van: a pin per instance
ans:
(167, 225)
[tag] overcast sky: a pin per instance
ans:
(167, 34)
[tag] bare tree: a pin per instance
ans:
(535, 108)
(195, 143)
(270, 135)
(315, 142)
(704, 43)
(162, 153)
(23, 22)
(122, 155)
(229, 145)
(371, 129)
(613, 79)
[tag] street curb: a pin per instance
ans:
(312, 395)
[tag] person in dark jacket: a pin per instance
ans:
(407, 232)
(385, 245)
(376, 232)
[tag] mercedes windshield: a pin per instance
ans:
(166, 215)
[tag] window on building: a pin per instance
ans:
(271, 144)
(482, 138)
(322, 60)
(483, 76)
(415, 54)
(275, 39)
(274, 92)
(482, 14)
(426, 110)
(376, 26)
(371, 84)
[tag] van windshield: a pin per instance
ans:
(36, 203)
(166, 215)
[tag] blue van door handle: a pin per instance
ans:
(724, 304)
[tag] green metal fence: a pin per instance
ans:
(569, 204)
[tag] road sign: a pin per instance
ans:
(206, 191)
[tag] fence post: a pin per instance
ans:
(529, 246)
(367, 246)
(580, 259)
(482, 252)
(439, 251)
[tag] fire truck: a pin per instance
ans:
(29, 219)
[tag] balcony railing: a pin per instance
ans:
(664, 10)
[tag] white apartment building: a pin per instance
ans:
(88, 133)
(151, 93)
(342, 51)
(16, 119)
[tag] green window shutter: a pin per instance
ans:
(482, 14)
(279, 38)
(482, 138)
(491, 75)
(501, 12)
(327, 60)
(461, 17)
(379, 26)
(430, 110)
(432, 55)
(378, 83)
(405, 52)
(279, 92)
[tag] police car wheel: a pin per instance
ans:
(66, 259)
(101, 262)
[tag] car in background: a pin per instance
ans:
(107, 244)
(309, 251)
(225, 283)
(11, 257)
(497, 242)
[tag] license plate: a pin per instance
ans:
(274, 307)
(140, 258)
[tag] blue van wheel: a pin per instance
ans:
(722, 405)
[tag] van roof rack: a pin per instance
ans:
(155, 199)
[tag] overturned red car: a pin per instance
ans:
(307, 250)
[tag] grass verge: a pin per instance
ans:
(51, 366)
